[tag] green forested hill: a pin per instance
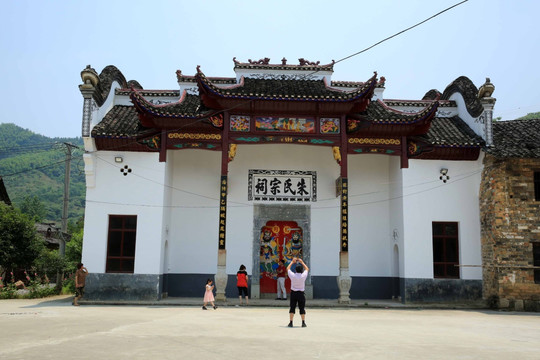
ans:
(32, 164)
(530, 116)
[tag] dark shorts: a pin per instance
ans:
(79, 291)
(298, 297)
(242, 290)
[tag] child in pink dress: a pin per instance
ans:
(209, 295)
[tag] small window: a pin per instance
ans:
(445, 250)
(536, 262)
(537, 185)
(121, 243)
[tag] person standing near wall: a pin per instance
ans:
(281, 275)
(242, 283)
(80, 280)
(298, 284)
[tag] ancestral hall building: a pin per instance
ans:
(380, 197)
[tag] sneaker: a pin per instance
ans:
(204, 308)
(304, 324)
(215, 307)
(290, 324)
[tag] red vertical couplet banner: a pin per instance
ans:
(222, 211)
(344, 215)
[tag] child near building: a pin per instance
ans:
(209, 295)
(242, 283)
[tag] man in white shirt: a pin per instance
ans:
(298, 284)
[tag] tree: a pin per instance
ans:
(74, 246)
(19, 245)
(33, 208)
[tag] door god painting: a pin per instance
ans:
(279, 240)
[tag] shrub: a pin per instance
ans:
(37, 287)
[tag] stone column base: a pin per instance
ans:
(221, 277)
(344, 284)
(344, 280)
(255, 291)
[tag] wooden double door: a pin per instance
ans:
(279, 240)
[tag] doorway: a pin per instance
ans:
(296, 216)
(279, 240)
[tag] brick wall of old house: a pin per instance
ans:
(510, 219)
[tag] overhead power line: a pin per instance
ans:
(39, 167)
(401, 32)
(311, 73)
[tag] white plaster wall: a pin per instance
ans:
(139, 193)
(125, 100)
(167, 206)
(325, 212)
(194, 214)
(193, 230)
(369, 216)
(309, 74)
(474, 123)
(427, 199)
(99, 112)
(396, 213)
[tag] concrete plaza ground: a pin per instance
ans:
(54, 329)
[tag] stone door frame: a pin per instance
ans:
(262, 213)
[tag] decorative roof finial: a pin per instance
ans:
(486, 90)
(284, 61)
(90, 76)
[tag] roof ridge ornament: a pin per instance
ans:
(304, 62)
(265, 61)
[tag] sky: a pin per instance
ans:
(46, 44)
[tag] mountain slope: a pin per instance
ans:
(33, 164)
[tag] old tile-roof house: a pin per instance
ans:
(3, 193)
(378, 196)
(510, 216)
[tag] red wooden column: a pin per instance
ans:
(223, 181)
(404, 156)
(163, 146)
(344, 280)
(221, 276)
(344, 187)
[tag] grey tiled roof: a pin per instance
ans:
(395, 102)
(278, 89)
(153, 93)
(466, 88)
(451, 132)
(189, 106)
(516, 138)
(109, 75)
(121, 121)
(378, 112)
